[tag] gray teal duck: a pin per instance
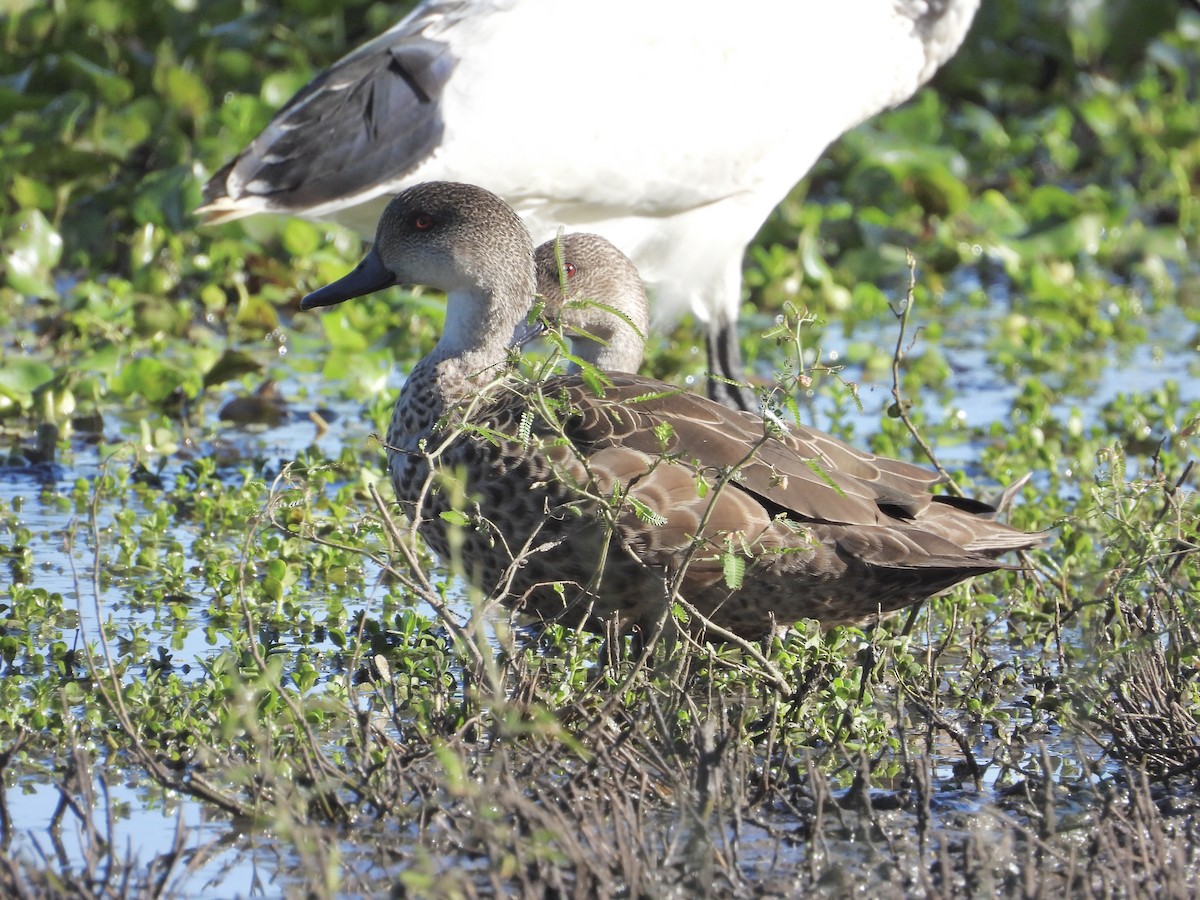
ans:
(593, 292)
(598, 509)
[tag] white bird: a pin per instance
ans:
(670, 127)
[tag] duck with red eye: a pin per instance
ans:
(594, 293)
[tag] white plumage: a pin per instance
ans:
(671, 127)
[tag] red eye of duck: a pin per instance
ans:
(422, 221)
(569, 269)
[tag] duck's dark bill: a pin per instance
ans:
(528, 331)
(368, 276)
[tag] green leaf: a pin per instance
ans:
(664, 433)
(149, 378)
(29, 193)
(456, 517)
(112, 88)
(525, 428)
(341, 333)
(734, 568)
(34, 249)
(20, 378)
(166, 198)
(645, 513)
(301, 238)
(186, 91)
(279, 86)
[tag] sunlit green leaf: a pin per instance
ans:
(33, 249)
(733, 568)
(20, 378)
(150, 378)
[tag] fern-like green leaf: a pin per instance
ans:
(664, 432)
(734, 568)
(645, 513)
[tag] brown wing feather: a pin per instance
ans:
(797, 471)
(842, 538)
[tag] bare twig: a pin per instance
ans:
(900, 407)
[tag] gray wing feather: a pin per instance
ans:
(381, 103)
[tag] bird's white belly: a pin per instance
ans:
(672, 128)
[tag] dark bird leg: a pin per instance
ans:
(727, 374)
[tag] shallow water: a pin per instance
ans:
(225, 860)
(979, 397)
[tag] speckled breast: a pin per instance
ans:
(511, 520)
